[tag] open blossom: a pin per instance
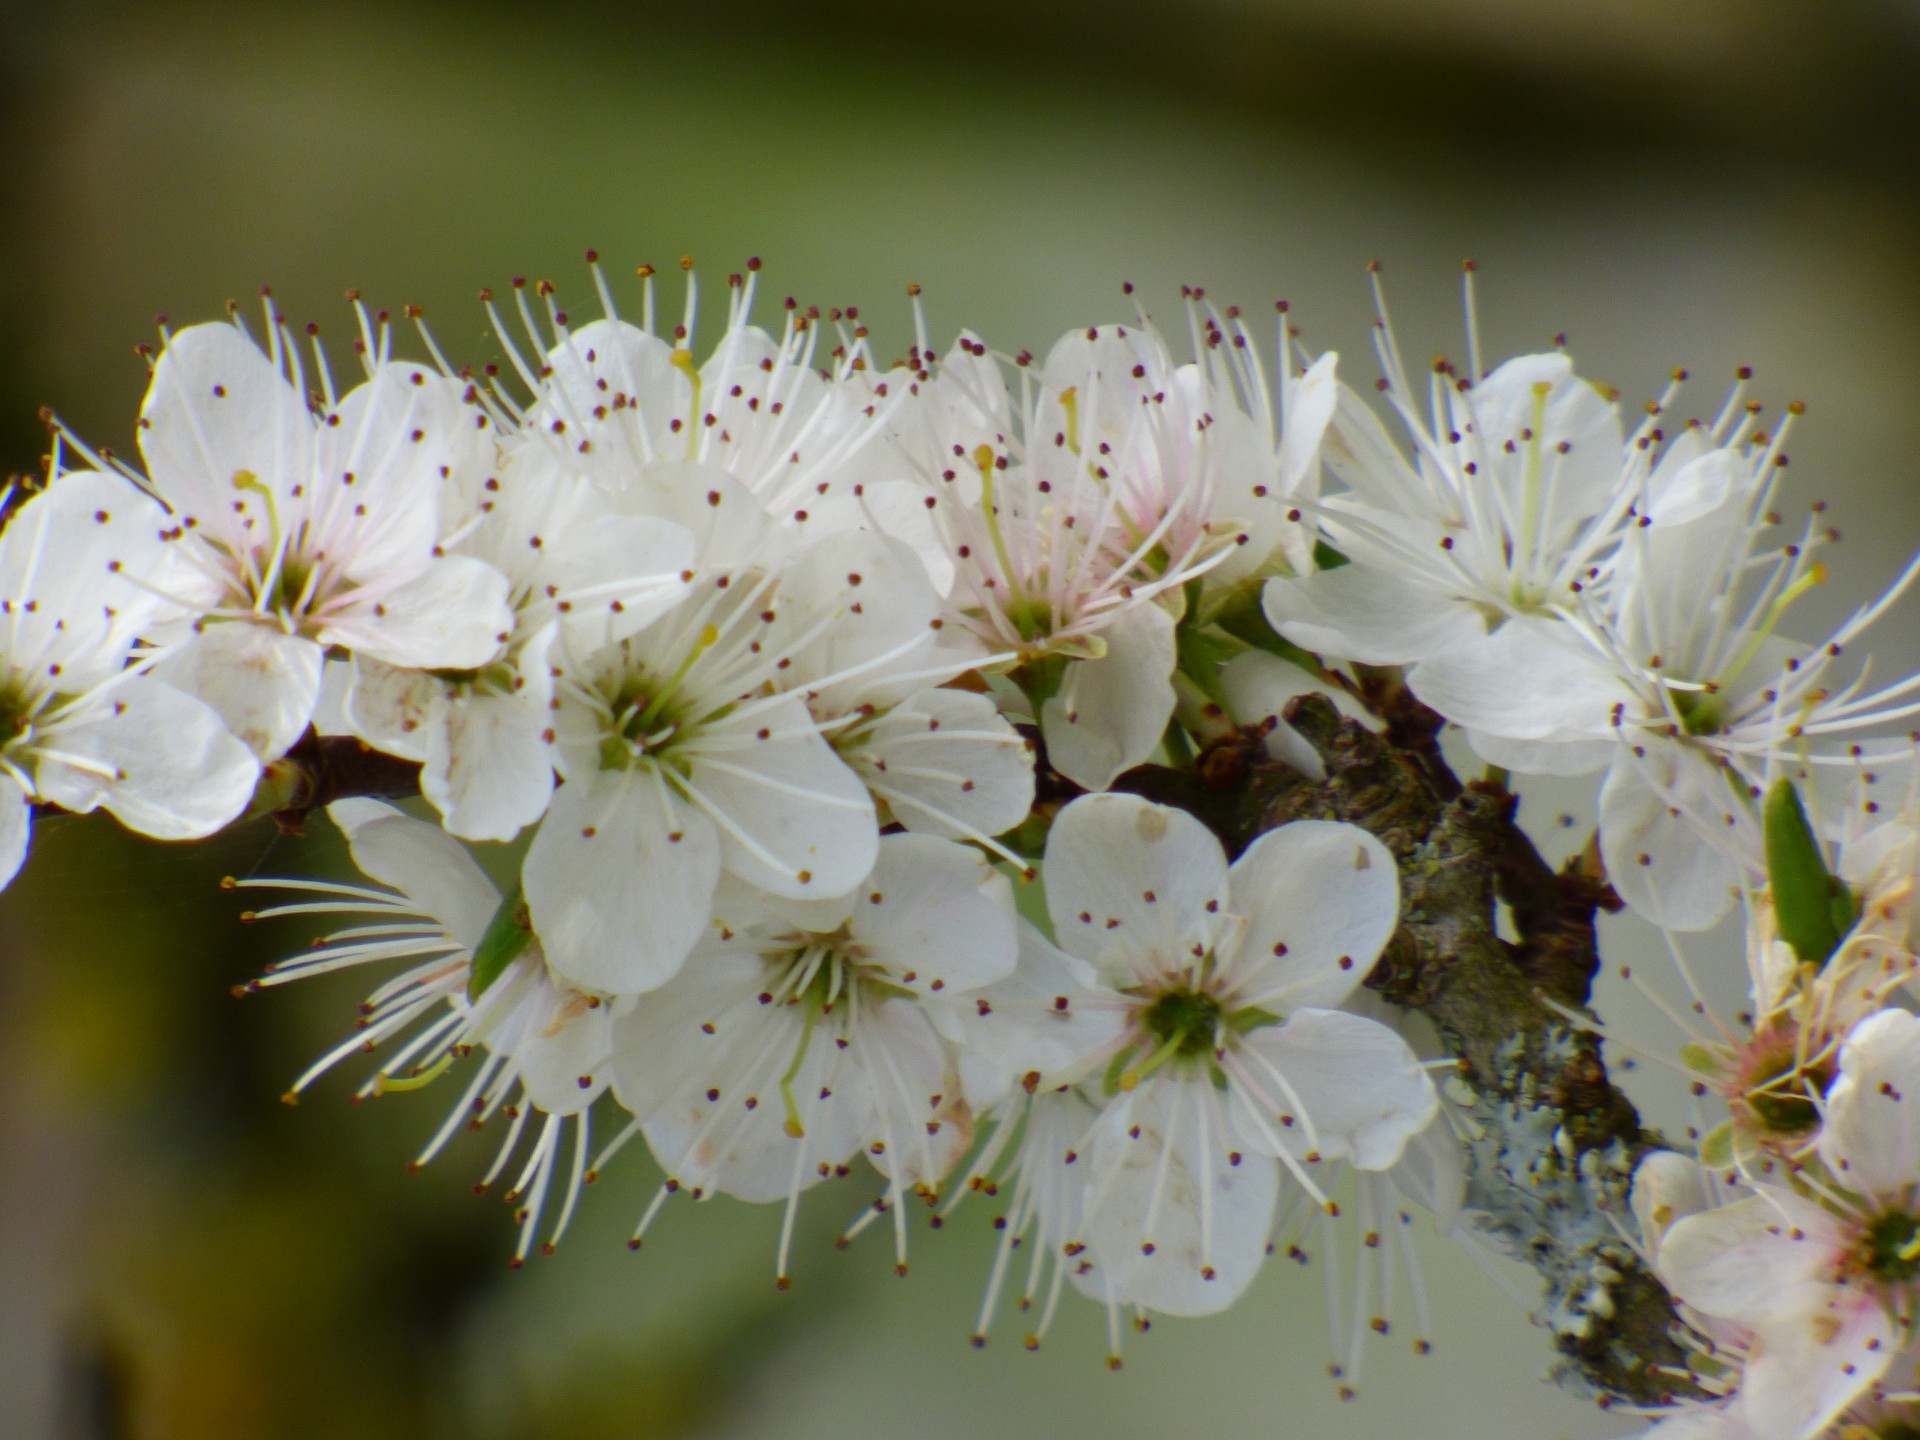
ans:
(474, 979)
(1825, 1283)
(575, 563)
(799, 1034)
(1673, 676)
(1072, 519)
(1228, 1063)
(78, 729)
(304, 530)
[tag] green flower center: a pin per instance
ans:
(1890, 1250)
(1184, 1022)
(1702, 712)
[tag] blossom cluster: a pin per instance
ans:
(797, 695)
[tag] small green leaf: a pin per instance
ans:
(1813, 909)
(1716, 1146)
(1700, 1059)
(508, 933)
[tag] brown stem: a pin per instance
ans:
(320, 769)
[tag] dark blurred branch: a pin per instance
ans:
(321, 769)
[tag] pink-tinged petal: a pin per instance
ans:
(1804, 1369)
(1871, 1138)
(1137, 888)
(1320, 899)
(1765, 1258)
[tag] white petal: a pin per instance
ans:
(946, 762)
(1258, 687)
(565, 1053)
(1811, 1367)
(1667, 1187)
(424, 863)
(1432, 1172)
(937, 912)
(215, 411)
(1321, 899)
(1042, 1027)
(616, 574)
(1178, 1216)
(1110, 713)
(264, 682)
(16, 829)
(453, 617)
(1366, 613)
(381, 463)
(1353, 1089)
(1529, 680)
(163, 763)
(870, 609)
(1136, 888)
(1311, 400)
(1765, 1258)
(72, 562)
(792, 818)
(619, 880)
(1664, 846)
(489, 768)
(1538, 405)
(1871, 1139)
(922, 1120)
(394, 710)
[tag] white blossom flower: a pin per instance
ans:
(78, 728)
(1117, 478)
(867, 628)
(1672, 675)
(799, 1034)
(475, 978)
(1229, 1062)
(1825, 1282)
(306, 531)
(574, 563)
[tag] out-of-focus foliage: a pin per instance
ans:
(1710, 183)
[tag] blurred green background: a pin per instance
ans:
(1696, 182)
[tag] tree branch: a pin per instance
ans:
(1556, 1142)
(321, 769)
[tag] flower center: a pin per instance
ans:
(16, 715)
(1890, 1249)
(1776, 1087)
(1184, 1022)
(1702, 712)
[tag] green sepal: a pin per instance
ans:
(1326, 557)
(1201, 654)
(508, 933)
(1246, 620)
(1716, 1146)
(1701, 1060)
(1813, 908)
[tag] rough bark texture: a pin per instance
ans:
(1550, 1168)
